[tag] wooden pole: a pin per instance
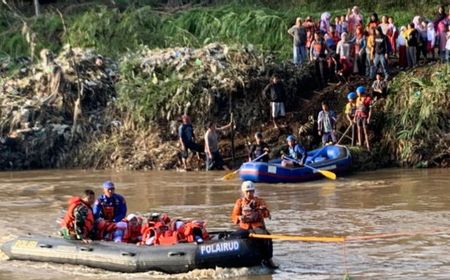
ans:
(36, 8)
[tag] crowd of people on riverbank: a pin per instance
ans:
(341, 47)
(349, 44)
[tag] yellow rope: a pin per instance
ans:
(337, 239)
(298, 238)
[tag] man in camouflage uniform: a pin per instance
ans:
(78, 222)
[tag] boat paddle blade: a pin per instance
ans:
(330, 175)
(230, 175)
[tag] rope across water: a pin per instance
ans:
(339, 239)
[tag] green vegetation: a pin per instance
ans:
(113, 32)
(417, 114)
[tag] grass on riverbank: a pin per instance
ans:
(112, 32)
(417, 113)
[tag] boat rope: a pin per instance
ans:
(340, 239)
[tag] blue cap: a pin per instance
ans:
(290, 138)
(361, 89)
(108, 185)
(351, 95)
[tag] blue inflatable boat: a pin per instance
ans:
(334, 158)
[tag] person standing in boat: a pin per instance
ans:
(259, 148)
(78, 221)
(296, 154)
(110, 206)
(249, 213)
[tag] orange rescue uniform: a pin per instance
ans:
(250, 214)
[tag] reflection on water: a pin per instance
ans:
(378, 202)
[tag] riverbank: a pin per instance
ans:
(68, 111)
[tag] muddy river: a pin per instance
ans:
(414, 203)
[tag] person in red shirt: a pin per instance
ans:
(363, 114)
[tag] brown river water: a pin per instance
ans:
(413, 202)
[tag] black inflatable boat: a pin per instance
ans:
(221, 251)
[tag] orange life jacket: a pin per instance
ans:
(69, 217)
(132, 233)
(104, 230)
(259, 211)
(195, 228)
(159, 231)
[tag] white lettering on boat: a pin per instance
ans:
(219, 248)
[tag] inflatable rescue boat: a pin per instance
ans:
(222, 250)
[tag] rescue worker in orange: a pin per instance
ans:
(78, 221)
(249, 213)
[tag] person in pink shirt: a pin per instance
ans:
(392, 35)
(354, 17)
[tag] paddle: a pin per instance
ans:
(232, 174)
(330, 175)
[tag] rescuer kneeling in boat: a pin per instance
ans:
(249, 213)
(78, 221)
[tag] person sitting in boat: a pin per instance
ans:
(155, 226)
(191, 231)
(260, 147)
(128, 230)
(104, 230)
(296, 154)
(78, 221)
(110, 206)
(249, 213)
(160, 230)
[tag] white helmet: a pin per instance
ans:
(248, 186)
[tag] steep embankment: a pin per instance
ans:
(72, 113)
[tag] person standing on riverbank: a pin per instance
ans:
(381, 53)
(78, 221)
(276, 93)
(327, 124)
(350, 109)
(362, 115)
(187, 140)
(298, 32)
(110, 206)
(214, 159)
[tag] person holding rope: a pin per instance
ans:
(249, 213)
